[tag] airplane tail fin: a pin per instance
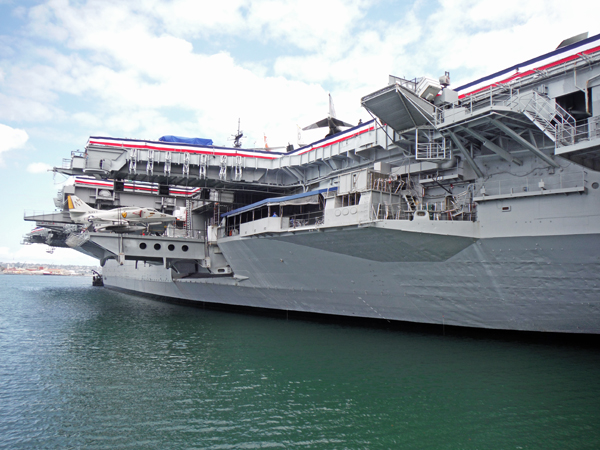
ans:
(78, 205)
(330, 122)
(331, 108)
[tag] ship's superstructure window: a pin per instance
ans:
(348, 200)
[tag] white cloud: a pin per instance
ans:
(38, 167)
(87, 119)
(11, 138)
(17, 108)
(477, 38)
(311, 25)
(197, 18)
(135, 70)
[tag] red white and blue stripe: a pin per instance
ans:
(178, 147)
(541, 63)
(137, 186)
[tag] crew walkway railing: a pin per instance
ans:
(588, 130)
(514, 185)
(312, 219)
(436, 210)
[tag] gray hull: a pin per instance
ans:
(543, 283)
(476, 207)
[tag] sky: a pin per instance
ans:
(74, 69)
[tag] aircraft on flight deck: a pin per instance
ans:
(331, 121)
(117, 218)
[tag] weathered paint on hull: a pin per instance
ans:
(543, 283)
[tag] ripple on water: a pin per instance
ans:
(82, 367)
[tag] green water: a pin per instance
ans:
(84, 367)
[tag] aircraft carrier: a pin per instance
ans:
(474, 206)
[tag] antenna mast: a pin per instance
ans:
(237, 138)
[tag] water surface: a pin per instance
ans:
(85, 367)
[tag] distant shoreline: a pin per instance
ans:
(47, 269)
(45, 274)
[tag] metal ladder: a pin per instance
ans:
(410, 202)
(223, 169)
(167, 168)
(238, 168)
(553, 120)
(216, 210)
(186, 165)
(133, 160)
(203, 165)
(150, 163)
(188, 217)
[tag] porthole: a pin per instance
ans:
(143, 245)
(157, 246)
(595, 185)
(171, 247)
(184, 248)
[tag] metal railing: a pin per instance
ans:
(67, 163)
(513, 185)
(586, 131)
(593, 127)
(407, 84)
(436, 210)
(386, 211)
(312, 219)
(432, 150)
(548, 115)
(182, 233)
(384, 183)
(485, 97)
(544, 112)
(306, 219)
(493, 96)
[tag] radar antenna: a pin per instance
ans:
(237, 137)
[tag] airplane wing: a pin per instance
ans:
(122, 228)
(328, 123)
(73, 213)
(319, 124)
(340, 123)
(108, 225)
(103, 221)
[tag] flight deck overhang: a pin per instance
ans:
(585, 152)
(400, 108)
(303, 198)
(221, 167)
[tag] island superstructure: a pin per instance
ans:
(477, 206)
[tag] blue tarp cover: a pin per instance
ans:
(186, 140)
